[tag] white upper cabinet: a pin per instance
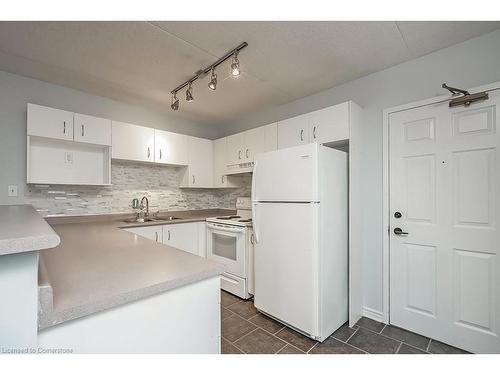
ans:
(330, 124)
(200, 170)
(132, 142)
(90, 129)
(50, 122)
(326, 125)
(220, 162)
(171, 148)
(271, 137)
(293, 131)
(235, 149)
(254, 143)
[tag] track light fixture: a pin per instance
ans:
(175, 102)
(212, 85)
(235, 65)
(189, 94)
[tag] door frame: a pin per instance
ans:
(386, 265)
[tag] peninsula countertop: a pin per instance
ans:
(22, 229)
(98, 266)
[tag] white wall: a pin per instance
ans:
(16, 91)
(467, 64)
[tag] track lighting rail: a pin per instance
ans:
(210, 67)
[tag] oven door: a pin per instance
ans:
(226, 244)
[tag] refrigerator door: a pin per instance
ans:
(286, 258)
(288, 175)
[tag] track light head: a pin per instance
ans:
(235, 65)
(212, 85)
(175, 102)
(189, 94)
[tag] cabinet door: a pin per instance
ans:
(49, 122)
(171, 148)
(201, 169)
(132, 142)
(254, 143)
(235, 148)
(153, 232)
(271, 137)
(293, 131)
(330, 124)
(90, 129)
(183, 236)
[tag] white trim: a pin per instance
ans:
(386, 193)
(373, 314)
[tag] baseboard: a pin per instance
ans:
(373, 314)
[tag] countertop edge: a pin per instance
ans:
(118, 300)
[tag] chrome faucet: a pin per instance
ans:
(144, 198)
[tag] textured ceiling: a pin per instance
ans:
(140, 62)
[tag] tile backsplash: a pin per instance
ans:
(132, 180)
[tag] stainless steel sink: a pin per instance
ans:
(135, 220)
(166, 218)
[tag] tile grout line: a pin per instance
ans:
(399, 347)
(245, 335)
(428, 346)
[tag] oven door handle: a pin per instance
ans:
(226, 228)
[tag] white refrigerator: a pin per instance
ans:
(300, 219)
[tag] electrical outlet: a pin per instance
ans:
(12, 189)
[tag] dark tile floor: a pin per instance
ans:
(245, 330)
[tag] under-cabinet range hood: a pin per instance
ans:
(239, 168)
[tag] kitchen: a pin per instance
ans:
(248, 228)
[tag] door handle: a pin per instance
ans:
(149, 152)
(239, 154)
(314, 132)
(246, 153)
(222, 178)
(252, 239)
(169, 235)
(399, 232)
(301, 134)
(64, 127)
(160, 153)
(193, 179)
(156, 236)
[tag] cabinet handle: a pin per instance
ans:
(64, 127)
(314, 132)
(251, 239)
(222, 178)
(156, 236)
(239, 154)
(193, 179)
(83, 130)
(169, 235)
(160, 153)
(149, 152)
(246, 153)
(301, 134)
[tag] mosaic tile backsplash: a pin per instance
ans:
(131, 180)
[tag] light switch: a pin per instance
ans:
(12, 190)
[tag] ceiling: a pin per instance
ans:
(141, 62)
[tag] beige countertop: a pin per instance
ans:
(22, 229)
(98, 266)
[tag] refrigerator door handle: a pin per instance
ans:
(254, 222)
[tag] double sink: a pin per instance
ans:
(155, 218)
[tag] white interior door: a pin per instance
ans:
(445, 185)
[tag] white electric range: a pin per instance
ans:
(230, 241)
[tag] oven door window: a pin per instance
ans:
(224, 246)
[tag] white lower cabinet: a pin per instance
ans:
(183, 236)
(153, 232)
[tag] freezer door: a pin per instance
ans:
(288, 175)
(286, 259)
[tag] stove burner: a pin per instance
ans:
(228, 217)
(245, 220)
